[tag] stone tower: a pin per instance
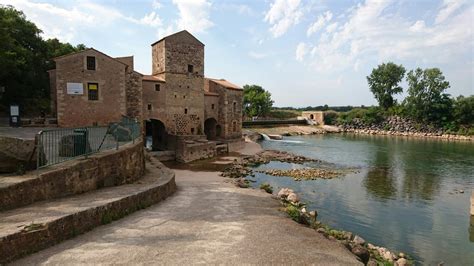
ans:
(179, 60)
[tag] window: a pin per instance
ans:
(192, 130)
(90, 63)
(234, 107)
(184, 96)
(185, 110)
(212, 106)
(157, 87)
(149, 106)
(93, 91)
(190, 68)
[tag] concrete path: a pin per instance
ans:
(207, 221)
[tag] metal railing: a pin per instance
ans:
(54, 146)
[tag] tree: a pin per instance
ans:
(256, 101)
(383, 82)
(463, 110)
(24, 60)
(426, 100)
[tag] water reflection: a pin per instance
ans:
(471, 228)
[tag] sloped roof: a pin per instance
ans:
(226, 84)
(153, 78)
(178, 33)
(89, 49)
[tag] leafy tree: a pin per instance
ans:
(24, 60)
(256, 101)
(463, 110)
(383, 82)
(426, 100)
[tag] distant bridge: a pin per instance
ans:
(274, 122)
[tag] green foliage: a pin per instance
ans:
(383, 82)
(267, 188)
(330, 117)
(24, 60)
(372, 115)
(426, 101)
(293, 212)
(283, 113)
(463, 110)
(256, 101)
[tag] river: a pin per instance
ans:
(406, 195)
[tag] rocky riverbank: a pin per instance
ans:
(368, 253)
(240, 170)
(398, 126)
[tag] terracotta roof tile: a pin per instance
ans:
(226, 84)
(208, 93)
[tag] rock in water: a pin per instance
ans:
(401, 262)
(359, 240)
(361, 252)
(284, 192)
(292, 197)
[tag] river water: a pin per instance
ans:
(405, 195)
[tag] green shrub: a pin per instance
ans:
(368, 116)
(267, 188)
(330, 117)
(293, 212)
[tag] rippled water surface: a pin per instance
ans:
(404, 196)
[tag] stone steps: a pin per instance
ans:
(42, 224)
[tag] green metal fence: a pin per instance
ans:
(54, 146)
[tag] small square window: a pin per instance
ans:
(90, 63)
(192, 130)
(212, 106)
(190, 68)
(184, 96)
(185, 110)
(149, 106)
(93, 91)
(157, 87)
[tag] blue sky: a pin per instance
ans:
(305, 53)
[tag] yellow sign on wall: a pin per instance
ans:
(93, 87)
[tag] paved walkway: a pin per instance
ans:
(207, 221)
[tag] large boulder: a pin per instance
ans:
(361, 252)
(17, 154)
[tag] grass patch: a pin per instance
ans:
(267, 188)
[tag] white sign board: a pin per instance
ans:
(14, 110)
(75, 88)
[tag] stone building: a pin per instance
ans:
(91, 88)
(315, 116)
(181, 110)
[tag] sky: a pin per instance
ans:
(306, 53)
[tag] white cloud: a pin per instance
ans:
(319, 23)
(301, 51)
(282, 15)
(257, 55)
(449, 7)
(156, 4)
(151, 19)
(65, 23)
(331, 27)
(375, 31)
(194, 15)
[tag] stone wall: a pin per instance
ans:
(134, 95)
(191, 148)
(52, 91)
(78, 110)
(316, 116)
(108, 168)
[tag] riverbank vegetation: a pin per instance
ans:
(427, 106)
(25, 58)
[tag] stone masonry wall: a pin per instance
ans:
(134, 95)
(108, 168)
(77, 110)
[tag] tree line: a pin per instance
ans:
(25, 58)
(427, 100)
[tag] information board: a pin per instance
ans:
(75, 88)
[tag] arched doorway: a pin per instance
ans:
(311, 116)
(159, 135)
(210, 128)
